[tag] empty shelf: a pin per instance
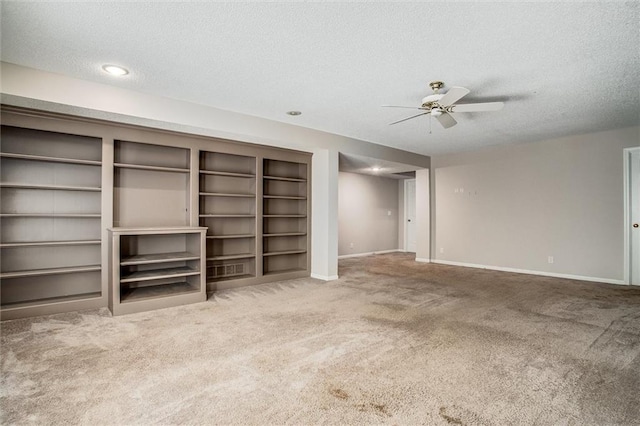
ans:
(153, 291)
(50, 159)
(51, 300)
(285, 234)
(51, 271)
(227, 215)
(280, 253)
(230, 174)
(284, 271)
(224, 194)
(151, 168)
(224, 237)
(54, 215)
(232, 256)
(288, 179)
(50, 243)
(156, 274)
(284, 215)
(285, 197)
(53, 187)
(145, 259)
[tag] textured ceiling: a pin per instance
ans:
(560, 68)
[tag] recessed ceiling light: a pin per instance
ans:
(294, 112)
(115, 70)
(375, 169)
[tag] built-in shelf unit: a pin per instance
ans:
(97, 214)
(50, 222)
(228, 210)
(285, 224)
(156, 268)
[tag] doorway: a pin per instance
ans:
(410, 237)
(632, 215)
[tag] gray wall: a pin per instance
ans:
(364, 203)
(515, 206)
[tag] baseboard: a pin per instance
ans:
(324, 277)
(526, 271)
(370, 253)
(423, 260)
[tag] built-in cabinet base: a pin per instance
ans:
(155, 268)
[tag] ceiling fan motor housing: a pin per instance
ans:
(431, 101)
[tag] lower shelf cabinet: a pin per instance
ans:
(153, 268)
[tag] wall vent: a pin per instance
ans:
(228, 270)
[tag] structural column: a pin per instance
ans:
(423, 217)
(324, 214)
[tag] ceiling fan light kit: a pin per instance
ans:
(441, 106)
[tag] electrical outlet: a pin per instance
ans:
(350, 245)
(550, 259)
(441, 249)
(388, 212)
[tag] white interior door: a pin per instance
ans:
(410, 214)
(634, 215)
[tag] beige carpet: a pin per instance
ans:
(391, 342)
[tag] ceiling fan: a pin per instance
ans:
(441, 106)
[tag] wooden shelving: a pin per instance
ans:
(285, 224)
(219, 194)
(229, 174)
(225, 237)
(151, 168)
(65, 182)
(52, 271)
(147, 259)
(155, 268)
(50, 243)
(151, 185)
(50, 159)
(42, 201)
(228, 204)
(49, 187)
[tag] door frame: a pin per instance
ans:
(627, 152)
(406, 215)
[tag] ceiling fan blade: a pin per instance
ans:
(453, 95)
(408, 118)
(487, 106)
(446, 120)
(399, 106)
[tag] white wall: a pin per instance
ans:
(30, 88)
(368, 213)
(514, 206)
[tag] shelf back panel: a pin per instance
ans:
(151, 155)
(277, 225)
(285, 263)
(227, 184)
(150, 198)
(227, 205)
(29, 229)
(230, 163)
(36, 201)
(43, 257)
(17, 140)
(229, 226)
(36, 289)
(286, 169)
(285, 188)
(16, 170)
(276, 244)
